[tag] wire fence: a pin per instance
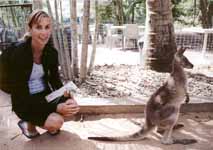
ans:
(193, 41)
(190, 40)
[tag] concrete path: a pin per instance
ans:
(74, 133)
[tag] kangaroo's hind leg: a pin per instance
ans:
(176, 127)
(167, 136)
(168, 124)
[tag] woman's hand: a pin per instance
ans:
(68, 108)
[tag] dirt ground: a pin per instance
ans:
(121, 81)
(117, 73)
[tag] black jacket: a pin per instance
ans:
(15, 69)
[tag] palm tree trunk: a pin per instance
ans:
(159, 45)
(74, 37)
(84, 51)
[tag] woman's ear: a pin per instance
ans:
(26, 36)
(29, 30)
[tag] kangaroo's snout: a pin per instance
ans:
(186, 63)
(189, 66)
(182, 60)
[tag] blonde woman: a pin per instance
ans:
(29, 71)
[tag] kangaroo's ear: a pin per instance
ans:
(181, 50)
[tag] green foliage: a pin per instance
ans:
(105, 13)
(185, 12)
(131, 8)
(177, 9)
(140, 12)
(135, 10)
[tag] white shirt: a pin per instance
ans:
(36, 81)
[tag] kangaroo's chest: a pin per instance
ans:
(177, 90)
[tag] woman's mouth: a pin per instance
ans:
(43, 39)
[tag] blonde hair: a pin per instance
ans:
(34, 18)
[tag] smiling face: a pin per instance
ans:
(41, 31)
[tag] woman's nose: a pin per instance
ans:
(45, 32)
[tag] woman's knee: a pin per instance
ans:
(54, 122)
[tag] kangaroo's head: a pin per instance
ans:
(181, 59)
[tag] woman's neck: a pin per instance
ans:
(37, 48)
(37, 53)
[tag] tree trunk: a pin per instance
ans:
(159, 45)
(206, 23)
(210, 14)
(55, 42)
(92, 59)
(65, 52)
(61, 47)
(84, 51)
(118, 8)
(133, 16)
(8, 17)
(74, 38)
(194, 11)
(14, 18)
(37, 4)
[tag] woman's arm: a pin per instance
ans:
(5, 80)
(54, 77)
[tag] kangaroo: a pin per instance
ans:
(163, 107)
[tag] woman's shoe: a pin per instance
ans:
(23, 125)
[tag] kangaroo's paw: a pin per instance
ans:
(178, 126)
(187, 98)
(161, 131)
(168, 141)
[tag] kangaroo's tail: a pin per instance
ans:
(139, 135)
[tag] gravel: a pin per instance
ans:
(120, 81)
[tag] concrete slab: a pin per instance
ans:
(120, 106)
(131, 105)
(74, 133)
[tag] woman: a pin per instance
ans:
(29, 71)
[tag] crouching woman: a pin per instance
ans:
(29, 71)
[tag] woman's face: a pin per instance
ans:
(41, 31)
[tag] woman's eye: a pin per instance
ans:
(38, 27)
(47, 27)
